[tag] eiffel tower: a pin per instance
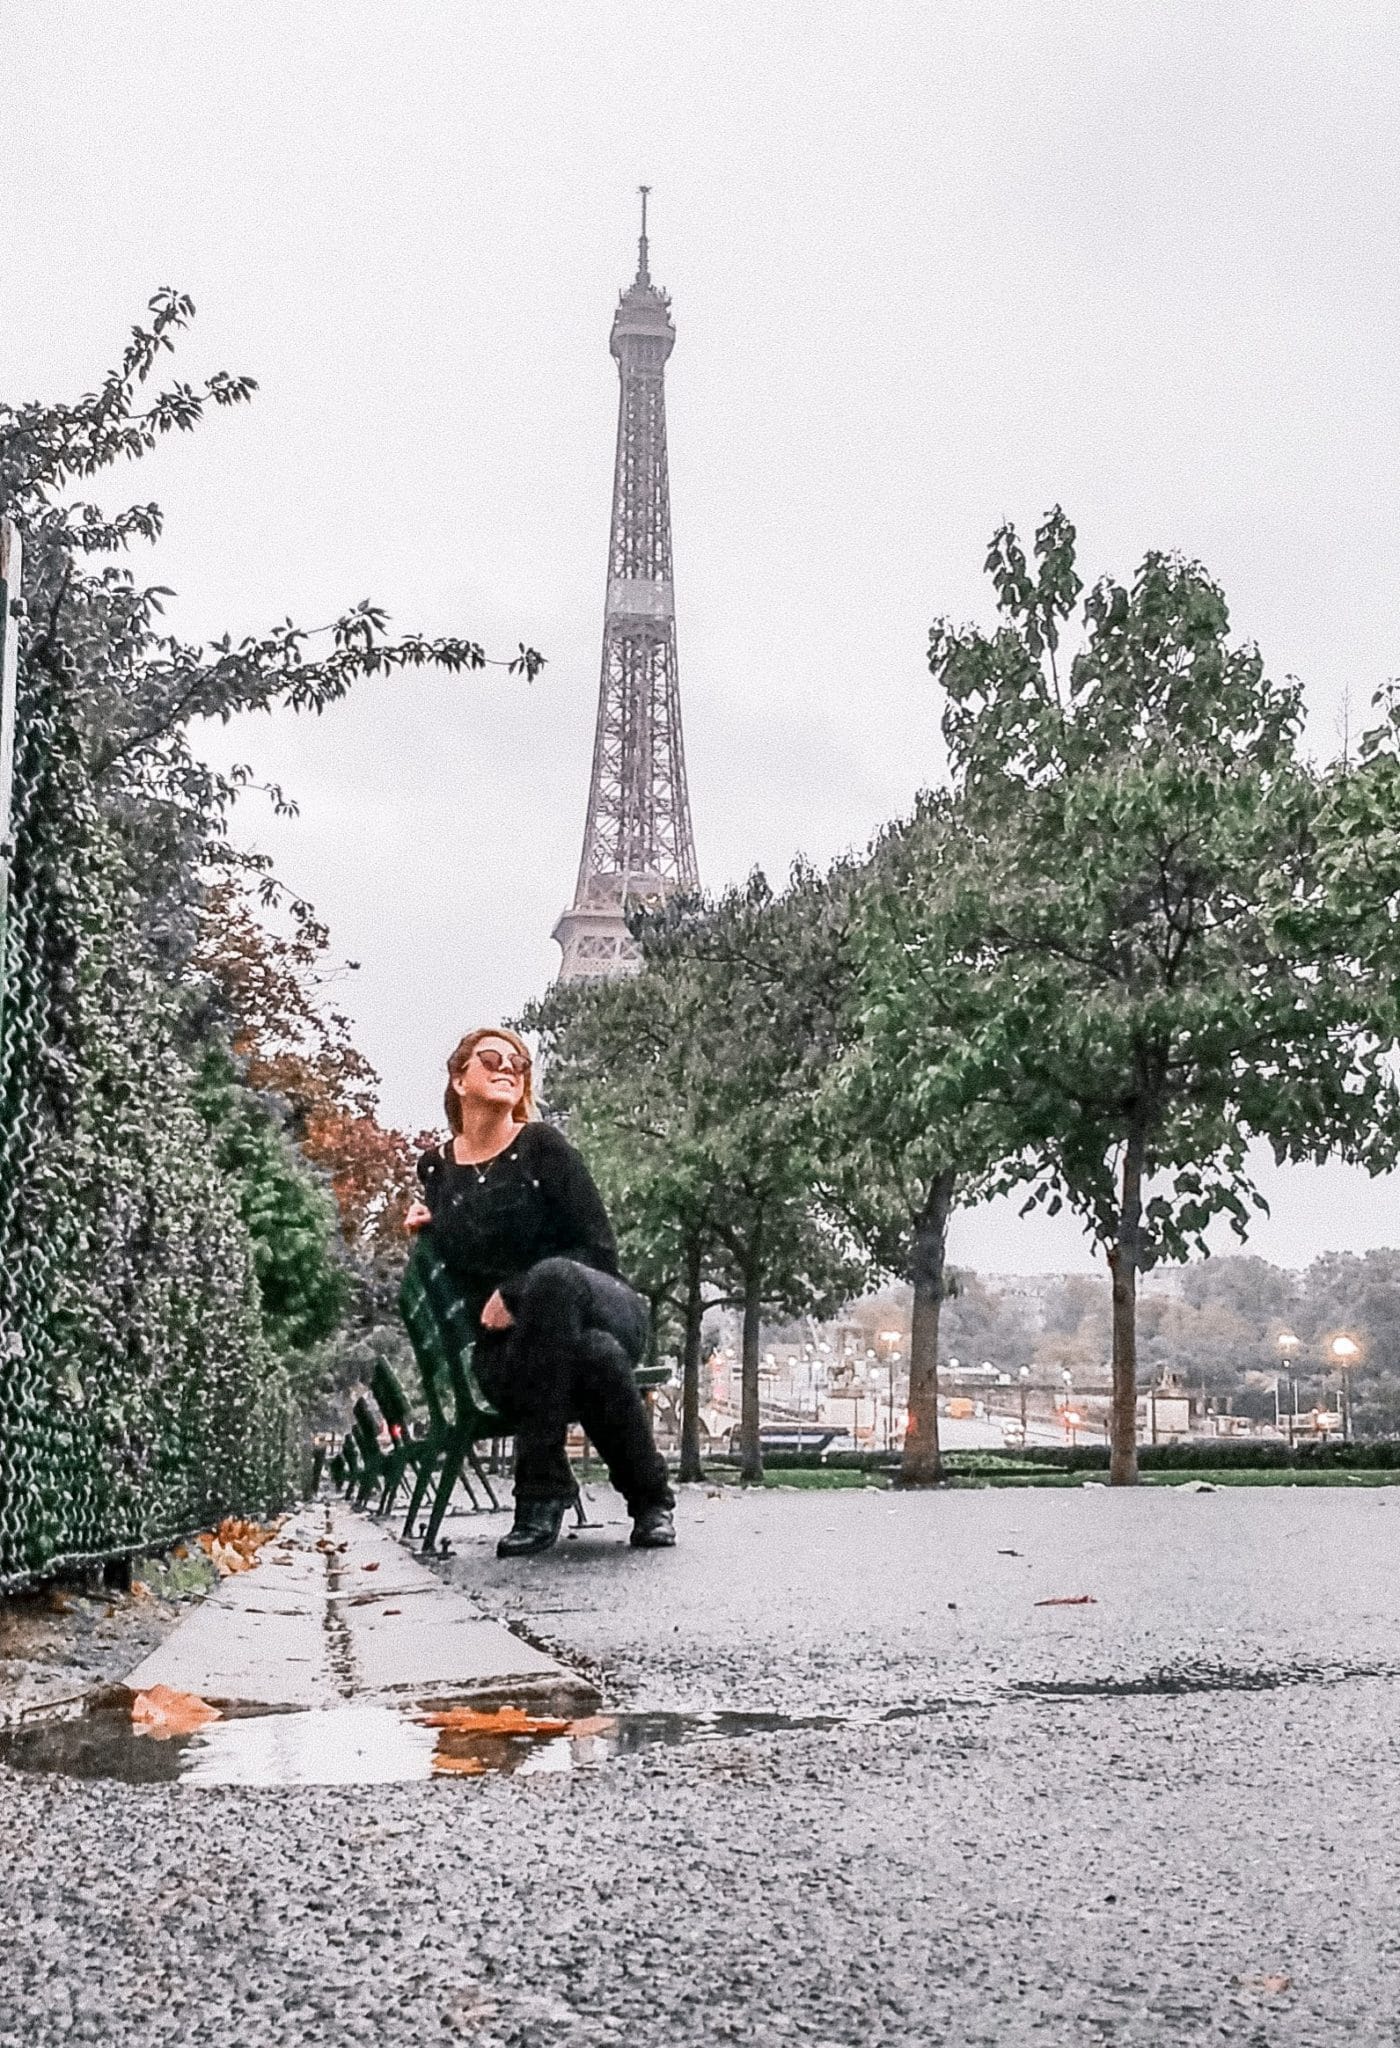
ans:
(638, 846)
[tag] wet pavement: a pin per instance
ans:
(1166, 1815)
(336, 1611)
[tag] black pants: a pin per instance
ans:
(568, 1358)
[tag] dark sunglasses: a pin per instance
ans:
(517, 1063)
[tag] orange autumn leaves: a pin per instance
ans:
(494, 1721)
(468, 1736)
(162, 1712)
(234, 1545)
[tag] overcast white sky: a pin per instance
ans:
(931, 265)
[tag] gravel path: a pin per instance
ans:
(1036, 1855)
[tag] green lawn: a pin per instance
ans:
(828, 1480)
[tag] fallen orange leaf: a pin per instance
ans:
(459, 1766)
(501, 1721)
(370, 1567)
(162, 1711)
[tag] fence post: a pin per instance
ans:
(11, 612)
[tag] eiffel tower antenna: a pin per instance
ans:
(643, 270)
(638, 846)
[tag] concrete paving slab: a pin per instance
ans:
(432, 1644)
(336, 1612)
(226, 1653)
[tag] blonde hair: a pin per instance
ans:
(458, 1060)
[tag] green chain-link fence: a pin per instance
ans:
(138, 1396)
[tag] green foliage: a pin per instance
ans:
(303, 1287)
(138, 1395)
(1139, 834)
(1141, 892)
(693, 1088)
(921, 1117)
(156, 1289)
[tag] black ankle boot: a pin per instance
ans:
(653, 1529)
(536, 1528)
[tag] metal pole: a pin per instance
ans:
(11, 612)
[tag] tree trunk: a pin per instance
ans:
(1124, 1260)
(750, 1450)
(690, 1366)
(922, 1464)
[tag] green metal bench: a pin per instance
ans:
(350, 1463)
(365, 1430)
(404, 1445)
(444, 1346)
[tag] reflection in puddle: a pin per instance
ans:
(367, 1745)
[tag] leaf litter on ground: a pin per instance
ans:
(234, 1545)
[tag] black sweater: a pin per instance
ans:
(536, 1200)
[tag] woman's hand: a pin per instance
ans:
(495, 1315)
(418, 1215)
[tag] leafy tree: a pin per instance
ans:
(768, 1008)
(919, 1120)
(706, 1066)
(268, 994)
(1142, 894)
(609, 1070)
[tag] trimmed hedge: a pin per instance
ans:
(1197, 1454)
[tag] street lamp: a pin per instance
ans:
(1345, 1352)
(1024, 1376)
(1288, 1346)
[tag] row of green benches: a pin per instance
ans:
(383, 1452)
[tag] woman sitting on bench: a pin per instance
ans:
(517, 1221)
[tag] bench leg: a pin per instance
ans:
(476, 1466)
(452, 1461)
(394, 1469)
(423, 1479)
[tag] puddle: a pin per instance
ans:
(376, 1744)
(1198, 1678)
(388, 1742)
